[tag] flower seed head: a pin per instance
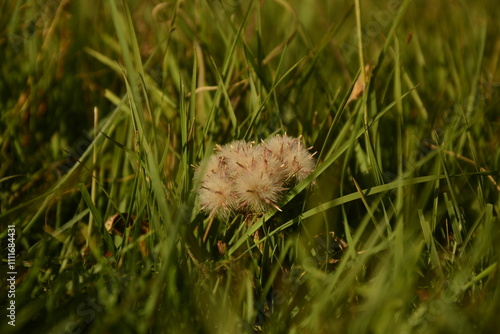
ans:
(248, 178)
(296, 159)
(257, 191)
(216, 195)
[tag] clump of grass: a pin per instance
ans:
(398, 235)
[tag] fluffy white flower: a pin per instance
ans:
(248, 178)
(237, 155)
(260, 185)
(297, 160)
(257, 191)
(215, 187)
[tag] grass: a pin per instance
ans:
(107, 106)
